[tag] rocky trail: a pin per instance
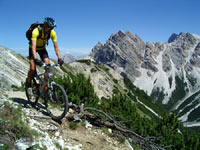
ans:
(53, 135)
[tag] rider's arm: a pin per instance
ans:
(55, 44)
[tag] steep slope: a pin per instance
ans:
(14, 70)
(169, 72)
(107, 83)
(105, 80)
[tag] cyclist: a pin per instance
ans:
(38, 44)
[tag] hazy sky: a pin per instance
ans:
(83, 23)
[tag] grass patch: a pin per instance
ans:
(11, 122)
(115, 81)
(4, 147)
(58, 146)
(37, 147)
(86, 61)
(66, 68)
(93, 70)
(21, 88)
(83, 123)
(135, 147)
(106, 69)
(194, 114)
(106, 131)
(73, 125)
(121, 139)
(188, 101)
(179, 92)
(158, 94)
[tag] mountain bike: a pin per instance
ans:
(54, 96)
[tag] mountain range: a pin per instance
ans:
(168, 72)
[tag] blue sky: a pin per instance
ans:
(83, 23)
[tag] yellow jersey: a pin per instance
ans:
(41, 42)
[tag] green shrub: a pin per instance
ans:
(93, 70)
(58, 146)
(124, 108)
(79, 89)
(73, 125)
(4, 147)
(115, 81)
(105, 130)
(21, 88)
(86, 61)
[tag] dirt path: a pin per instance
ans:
(81, 138)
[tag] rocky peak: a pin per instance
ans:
(121, 34)
(126, 37)
(126, 52)
(185, 40)
(67, 58)
(182, 49)
(172, 37)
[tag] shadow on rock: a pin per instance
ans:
(27, 104)
(22, 101)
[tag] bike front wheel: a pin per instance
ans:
(57, 102)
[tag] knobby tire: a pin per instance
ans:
(61, 100)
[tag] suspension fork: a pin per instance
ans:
(46, 86)
(51, 92)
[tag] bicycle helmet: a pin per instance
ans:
(49, 22)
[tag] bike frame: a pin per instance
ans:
(54, 96)
(46, 74)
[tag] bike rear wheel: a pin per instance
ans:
(57, 102)
(32, 93)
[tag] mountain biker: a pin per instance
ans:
(38, 44)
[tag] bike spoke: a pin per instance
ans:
(57, 102)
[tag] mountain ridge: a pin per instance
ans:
(169, 70)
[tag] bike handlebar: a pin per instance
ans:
(50, 65)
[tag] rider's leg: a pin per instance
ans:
(47, 61)
(32, 68)
(45, 58)
(31, 71)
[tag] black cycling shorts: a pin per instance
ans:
(43, 53)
